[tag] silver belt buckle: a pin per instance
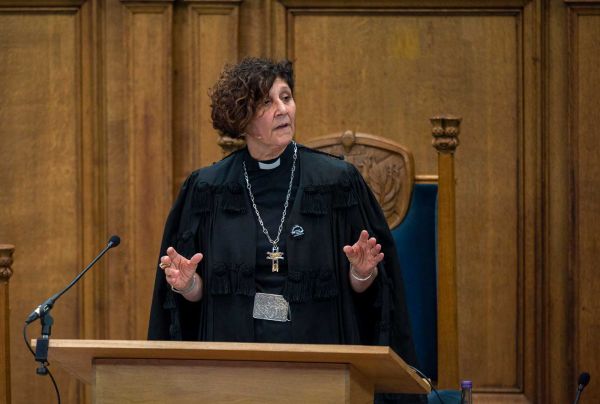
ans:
(271, 307)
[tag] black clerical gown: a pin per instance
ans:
(213, 215)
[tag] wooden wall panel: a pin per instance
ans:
(41, 108)
(387, 71)
(585, 85)
(556, 376)
(104, 111)
(139, 160)
(206, 39)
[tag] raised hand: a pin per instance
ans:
(178, 269)
(364, 255)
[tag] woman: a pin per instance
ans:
(276, 242)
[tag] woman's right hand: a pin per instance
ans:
(179, 271)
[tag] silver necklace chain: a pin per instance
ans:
(285, 205)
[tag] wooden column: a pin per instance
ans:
(445, 140)
(6, 251)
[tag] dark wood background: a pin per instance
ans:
(104, 111)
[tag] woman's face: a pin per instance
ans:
(274, 123)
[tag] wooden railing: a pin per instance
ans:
(6, 251)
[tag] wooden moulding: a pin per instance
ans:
(41, 3)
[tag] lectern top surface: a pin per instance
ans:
(379, 363)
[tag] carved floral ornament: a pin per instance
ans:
(384, 174)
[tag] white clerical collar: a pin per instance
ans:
(269, 166)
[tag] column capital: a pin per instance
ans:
(6, 260)
(445, 132)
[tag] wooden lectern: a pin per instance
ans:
(220, 372)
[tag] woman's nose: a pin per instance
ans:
(280, 107)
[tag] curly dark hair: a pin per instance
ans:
(240, 90)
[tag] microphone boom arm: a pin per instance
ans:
(45, 307)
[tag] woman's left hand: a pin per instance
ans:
(364, 255)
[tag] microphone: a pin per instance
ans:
(45, 307)
(582, 381)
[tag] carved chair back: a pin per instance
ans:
(386, 166)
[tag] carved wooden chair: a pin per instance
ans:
(420, 213)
